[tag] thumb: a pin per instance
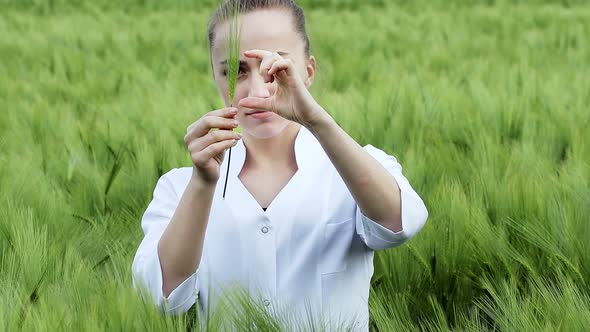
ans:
(257, 103)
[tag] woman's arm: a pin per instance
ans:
(359, 170)
(368, 181)
(181, 244)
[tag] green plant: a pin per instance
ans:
(232, 50)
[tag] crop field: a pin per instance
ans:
(486, 105)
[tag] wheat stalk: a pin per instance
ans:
(232, 47)
(232, 50)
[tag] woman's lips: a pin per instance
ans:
(256, 111)
(260, 114)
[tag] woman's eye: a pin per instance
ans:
(240, 71)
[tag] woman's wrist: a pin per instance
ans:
(320, 119)
(197, 182)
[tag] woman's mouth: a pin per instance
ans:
(260, 114)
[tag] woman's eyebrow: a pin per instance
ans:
(242, 62)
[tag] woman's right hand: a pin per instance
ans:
(207, 147)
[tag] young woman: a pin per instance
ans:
(306, 205)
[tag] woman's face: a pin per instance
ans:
(270, 30)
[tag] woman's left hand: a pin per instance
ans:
(291, 99)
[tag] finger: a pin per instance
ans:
(266, 64)
(206, 123)
(228, 112)
(212, 137)
(224, 112)
(258, 54)
(258, 103)
(201, 157)
(281, 65)
(212, 122)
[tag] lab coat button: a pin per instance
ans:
(266, 303)
(264, 229)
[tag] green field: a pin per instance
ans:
(486, 104)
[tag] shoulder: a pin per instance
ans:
(175, 179)
(179, 173)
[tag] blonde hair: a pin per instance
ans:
(247, 6)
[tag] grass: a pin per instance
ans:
(485, 104)
(231, 14)
(233, 47)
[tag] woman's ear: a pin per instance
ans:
(310, 71)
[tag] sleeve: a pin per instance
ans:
(146, 268)
(414, 212)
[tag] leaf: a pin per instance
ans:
(233, 46)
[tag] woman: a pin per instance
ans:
(306, 206)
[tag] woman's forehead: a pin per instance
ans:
(270, 30)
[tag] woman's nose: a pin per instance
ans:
(258, 88)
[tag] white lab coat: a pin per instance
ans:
(311, 247)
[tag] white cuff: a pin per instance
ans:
(147, 270)
(414, 215)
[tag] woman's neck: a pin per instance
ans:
(272, 152)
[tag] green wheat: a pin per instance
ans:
(484, 103)
(232, 47)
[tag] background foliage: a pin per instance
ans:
(484, 103)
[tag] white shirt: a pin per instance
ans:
(312, 244)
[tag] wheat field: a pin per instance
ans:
(486, 104)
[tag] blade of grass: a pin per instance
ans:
(233, 60)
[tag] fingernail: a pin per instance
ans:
(233, 110)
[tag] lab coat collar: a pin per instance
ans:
(309, 154)
(306, 149)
